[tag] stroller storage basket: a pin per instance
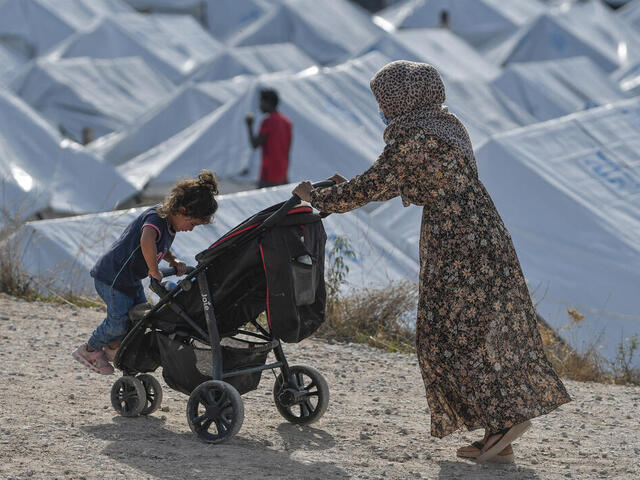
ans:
(185, 366)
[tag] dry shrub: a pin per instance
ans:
(14, 279)
(380, 317)
(587, 364)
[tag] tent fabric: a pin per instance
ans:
(173, 45)
(476, 21)
(103, 95)
(328, 31)
(47, 167)
(556, 88)
(335, 127)
(569, 192)
(10, 64)
(33, 27)
(222, 18)
(630, 13)
(168, 117)
(628, 78)
(483, 110)
(439, 47)
(585, 29)
(254, 60)
(64, 250)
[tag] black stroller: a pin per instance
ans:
(261, 283)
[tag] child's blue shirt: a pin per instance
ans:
(123, 265)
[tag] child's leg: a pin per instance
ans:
(111, 349)
(116, 325)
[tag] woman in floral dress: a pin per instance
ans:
(477, 338)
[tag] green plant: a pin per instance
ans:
(336, 268)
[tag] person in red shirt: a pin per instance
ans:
(274, 137)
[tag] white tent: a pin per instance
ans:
(223, 18)
(586, 29)
(328, 31)
(10, 64)
(173, 45)
(335, 128)
(49, 168)
(476, 21)
(556, 88)
(64, 250)
(102, 95)
(482, 110)
(254, 60)
(631, 13)
(569, 192)
(186, 106)
(628, 78)
(438, 47)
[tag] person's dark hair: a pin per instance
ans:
(270, 96)
(196, 196)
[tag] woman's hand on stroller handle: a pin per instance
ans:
(303, 189)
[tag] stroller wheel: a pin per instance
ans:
(304, 398)
(153, 393)
(128, 396)
(215, 411)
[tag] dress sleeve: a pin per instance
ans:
(380, 182)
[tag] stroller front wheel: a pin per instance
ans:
(304, 398)
(128, 396)
(153, 392)
(215, 411)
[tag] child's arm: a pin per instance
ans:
(149, 251)
(181, 267)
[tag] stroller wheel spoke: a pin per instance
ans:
(205, 426)
(310, 408)
(304, 411)
(220, 426)
(199, 420)
(223, 399)
(310, 386)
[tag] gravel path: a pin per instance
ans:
(56, 420)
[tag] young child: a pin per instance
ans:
(135, 255)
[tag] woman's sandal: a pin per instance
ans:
(473, 451)
(498, 441)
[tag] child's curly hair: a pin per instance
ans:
(195, 196)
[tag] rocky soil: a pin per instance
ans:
(56, 420)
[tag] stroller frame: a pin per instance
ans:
(216, 399)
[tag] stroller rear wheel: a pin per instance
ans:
(215, 411)
(128, 396)
(153, 393)
(304, 398)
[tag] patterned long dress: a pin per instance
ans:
(477, 341)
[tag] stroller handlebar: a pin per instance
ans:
(294, 200)
(168, 271)
(160, 289)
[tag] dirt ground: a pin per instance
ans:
(56, 420)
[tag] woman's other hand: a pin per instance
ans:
(337, 178)
(303, 190)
